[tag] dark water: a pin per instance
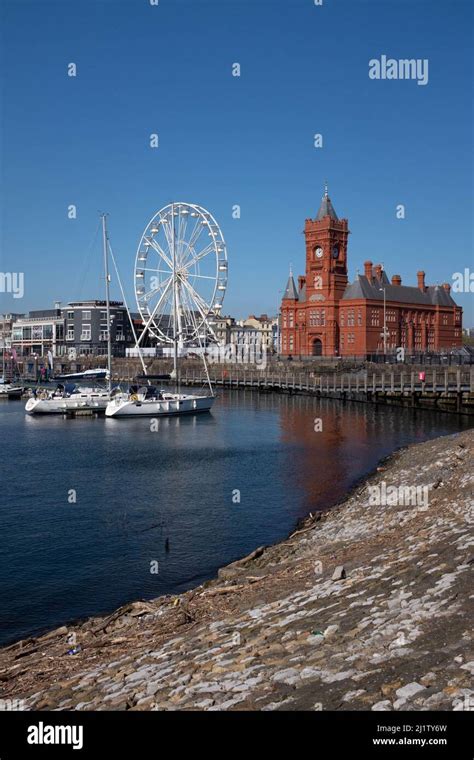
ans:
(136, 488)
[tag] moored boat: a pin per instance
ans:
(150, 402)
(11, 391)
(67, 398)
(88, 374)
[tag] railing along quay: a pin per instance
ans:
(450, 389)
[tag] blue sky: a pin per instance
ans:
(224, 140)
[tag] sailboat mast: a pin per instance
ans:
(175, 303)
(107, 299)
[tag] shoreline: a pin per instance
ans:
(77, 622)
(256, 636)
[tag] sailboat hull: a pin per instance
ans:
(10, 392)
(94, 402)
(165, 408)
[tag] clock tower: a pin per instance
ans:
(326, 252)
(326, 275)
(310, 311)
(322, 315)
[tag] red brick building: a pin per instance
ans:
(325, 315)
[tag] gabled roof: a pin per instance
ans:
(363, 288)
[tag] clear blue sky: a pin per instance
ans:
(227, 140)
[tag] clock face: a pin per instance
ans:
(335, 251)
(318, 252)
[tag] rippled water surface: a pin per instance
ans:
(136, 488)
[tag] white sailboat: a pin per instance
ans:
(177, 304)
(68, 397)
(150, 402)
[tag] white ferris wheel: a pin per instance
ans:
(181, 274)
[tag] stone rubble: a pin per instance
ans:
(363, 608)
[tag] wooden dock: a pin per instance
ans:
(450, 389)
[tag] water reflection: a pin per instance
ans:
(166, 494)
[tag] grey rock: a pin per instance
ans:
(384, 705)
(405, 692)
(339, 573)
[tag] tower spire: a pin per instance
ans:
(326, 208)
(290, 290)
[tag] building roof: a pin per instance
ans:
(326, 208)
(290, 290)
(91, 302)
(363, 288)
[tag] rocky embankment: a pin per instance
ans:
(367, 606)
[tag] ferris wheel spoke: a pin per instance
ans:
(185, 227)
(195, 315)
(166, 226)
(187, 312)
(150, 293)
(155, 309)
(203, 307)
(158, 271)
(183, 223)
(198, 228)
(202, 276)
(198, 256)
(154, 244)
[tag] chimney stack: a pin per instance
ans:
(368, 269)
(301, 281)
(447, 286)
(421, 281)
(378, 271)
(396, 279)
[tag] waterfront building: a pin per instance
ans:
(85, 324)
(38, 332)
(266, 330)
(261, 331)
(221, 327)
(6, 328)
(78, 329)
(325, 315)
